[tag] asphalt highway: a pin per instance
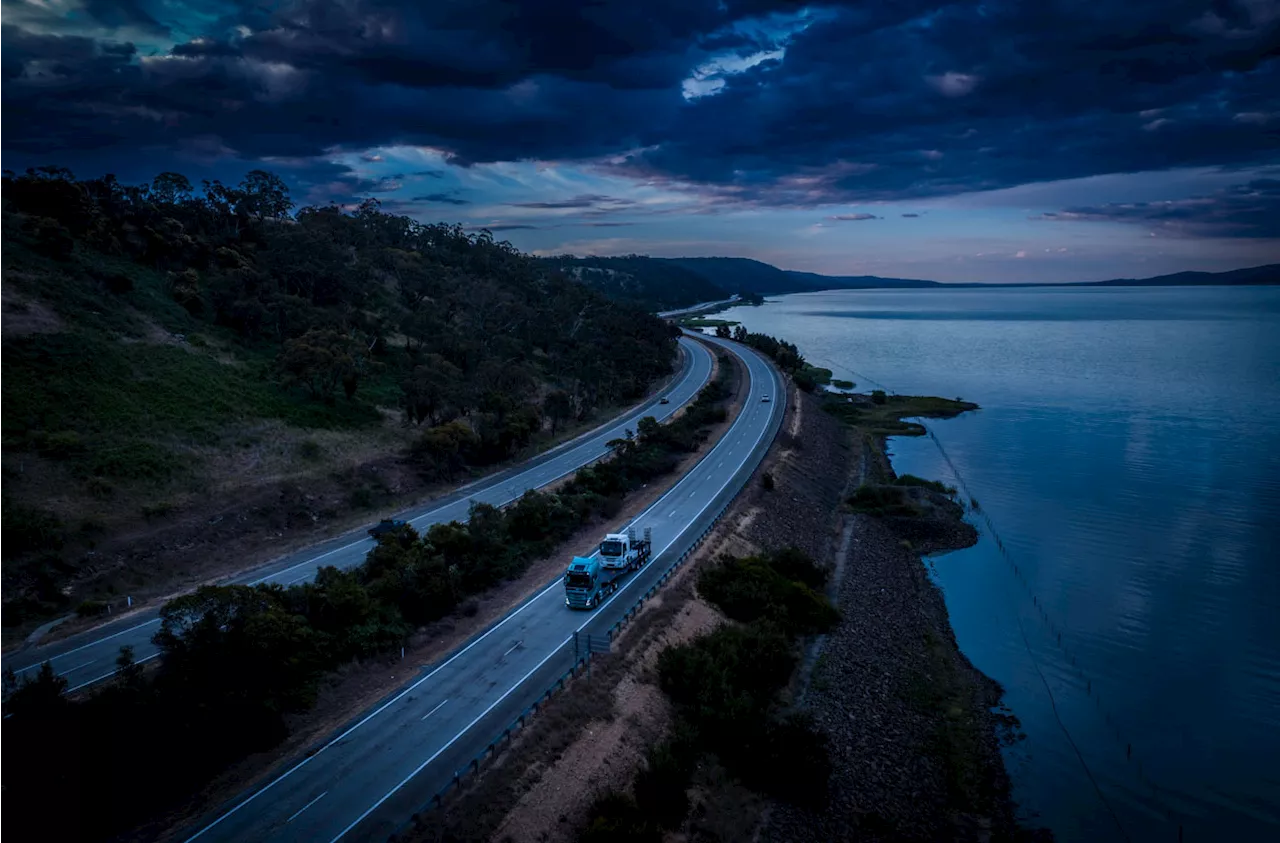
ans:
(90, 656)
(375, 772)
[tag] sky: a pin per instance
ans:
(956, 141)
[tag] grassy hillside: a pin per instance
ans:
(651, 283)
(171, 356)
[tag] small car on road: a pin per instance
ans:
(764, 400)
(386, 525)
(664, 400)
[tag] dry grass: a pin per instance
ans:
(23, 316)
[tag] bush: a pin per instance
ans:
(883, 500)
(27, 530)
(934, 485)
(766, 480)
(91, 609)
(752, 589)
(615, 818)
(878, 396)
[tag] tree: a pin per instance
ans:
(265, 195)
(237, 646)
(740, 334)
(430, 385)
(722, 331)
(320, 359)
(170, 188)
(558, 407)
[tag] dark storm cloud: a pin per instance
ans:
(853, 217)
(874, 100)
(586, 200)
(894, 100)
(446, 198)
(1250, 210)
(502, 227)
(911, 216)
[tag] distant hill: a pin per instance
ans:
(652, 283)
(744, 275)
(814, 281)
(670, 283)
(1268, 274)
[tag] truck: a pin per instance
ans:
(590, 579)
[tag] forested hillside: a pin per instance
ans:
(652, 283)
(169, 350)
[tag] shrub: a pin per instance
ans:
(766, 480)
(615, 818)
(91, 609)
(934, 485)
(878, 396)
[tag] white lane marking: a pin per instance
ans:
(306, 806)
(513, 647)
(77, 667)
(105, 675)
(299, 579)
(434, 710)
(378, 710)
(555, 650)
(452, 740)
(552, 586)
(90, 644)
(582, 440)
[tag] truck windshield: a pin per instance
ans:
(611, 548)
(577, 580)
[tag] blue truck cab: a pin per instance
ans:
(591, 579)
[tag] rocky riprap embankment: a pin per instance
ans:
(890, 678)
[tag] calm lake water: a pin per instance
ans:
(1127, 455)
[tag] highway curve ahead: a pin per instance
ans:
(90, 656)
(373, 774)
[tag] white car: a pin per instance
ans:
(764, 400)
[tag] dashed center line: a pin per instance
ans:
(434, 710)
(306, 806)
(513, 647)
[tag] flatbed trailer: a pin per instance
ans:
(590, 580)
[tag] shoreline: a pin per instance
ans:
(914, 730)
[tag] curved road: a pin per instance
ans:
(90, 656)
(364, 782)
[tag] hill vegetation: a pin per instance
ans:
(651, 283)
(167, 347)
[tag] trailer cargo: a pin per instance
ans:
(589, 580)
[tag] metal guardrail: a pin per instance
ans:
(505, 736)
(472, 767)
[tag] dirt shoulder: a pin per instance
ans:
(358, 686)
(542, 786)
(219, 532)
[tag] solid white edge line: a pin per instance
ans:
(93, 643)
(376, 712)
(451, 742)
(105, 675)
(614, 596)
(305, 807)
(585, 438)
(441, 667)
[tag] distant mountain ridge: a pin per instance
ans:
(727, 275)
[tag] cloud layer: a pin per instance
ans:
(795, 107)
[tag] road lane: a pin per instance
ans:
(89, 657)
(388, 763)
